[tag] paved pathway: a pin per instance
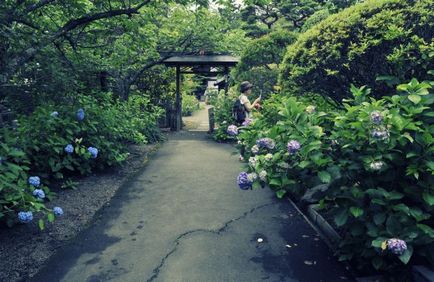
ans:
(183, 219)
(198, 121)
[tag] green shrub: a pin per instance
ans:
(223, 114)
(376, 156)
(369, 40)
(260, 61)
(190, 104)
(107, 126)
(15, 191)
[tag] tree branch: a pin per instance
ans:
(38, 5)
(70, 25)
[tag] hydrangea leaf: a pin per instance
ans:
(341, 217)
(428, 198)
(356, 211)
(325, 176)
(41, 224)
(414, 98)
(280, 193)
(50, 217)
(405, 257)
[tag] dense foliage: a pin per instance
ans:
(388, 39)
(376, 158)
(260, 60)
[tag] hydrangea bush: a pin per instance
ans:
(376, 158)
(57, 141)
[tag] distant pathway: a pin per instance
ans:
(183, 219)
(198, 121)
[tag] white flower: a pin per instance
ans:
(252, 177)
(255, 149)
(263, 175)
(376, 165)
(310, 109)
(268, 157)
(252, 161)
(241, 158)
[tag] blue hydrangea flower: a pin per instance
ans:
(380, 134)
(54, 114)
(80, 114)
(232, 130)
(58, 211)
(69, 149)
(376, 117)
(396, 246)
(267, 143)
(34, 181)
(39, 193)
(293, 147)
(243, 181)
(25, 217)
(93, 151)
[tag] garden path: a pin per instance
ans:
(182, 218)
(198, 121)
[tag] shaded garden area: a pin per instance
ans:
(345, 121)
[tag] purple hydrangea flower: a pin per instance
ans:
(58, 211)
(293, 146)
(266, 143)
(54, 114)
(69, 149)
(243, 181)
(93, 152)
(246, 122)
(376, 117)
(232, 130)
(396, 246)
(34, 181)
(80, 114)
(39, 193)
(380, 134)
(25, 217)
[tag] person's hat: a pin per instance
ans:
(245, 85)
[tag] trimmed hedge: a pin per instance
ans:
(391, 38)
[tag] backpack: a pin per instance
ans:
(238, 112)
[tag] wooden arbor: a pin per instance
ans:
(197, 64)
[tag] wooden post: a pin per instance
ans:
(178, 109)
(226, 80)
(211, 119)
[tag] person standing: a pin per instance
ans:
(246, 91)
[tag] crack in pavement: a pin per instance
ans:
(156, 270)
